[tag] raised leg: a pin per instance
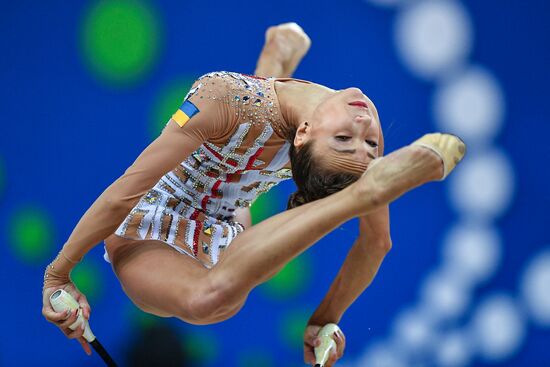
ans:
(261, 251)
(165, 283)
(285, 46)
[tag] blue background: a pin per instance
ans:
(67, 134)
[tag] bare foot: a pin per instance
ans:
(287, 44)
(430, 158)
(450, 148)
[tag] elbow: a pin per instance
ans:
(116, 204)
(384, 245)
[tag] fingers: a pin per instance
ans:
(338, 352)
(64, 320)
(84, 305)
(53, 316)
(311, 334)
(340, 340)
(309, 355)
(81, 300)
(335, 353)
(309, 344)
(73, 316)
(85, 345)
(332, 359)
(76, 333)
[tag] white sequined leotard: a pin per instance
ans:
(192, 207)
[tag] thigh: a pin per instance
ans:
(157, 278)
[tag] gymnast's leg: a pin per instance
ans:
(169, 285)
(260, 252)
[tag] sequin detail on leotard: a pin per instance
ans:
(192, 207)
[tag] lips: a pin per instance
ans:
(362, 104)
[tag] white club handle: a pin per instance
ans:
(62, 301)
(322, 352)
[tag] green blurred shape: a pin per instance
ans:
(120, 40)
(31, 235)
(256, 358)
(291, 280)
(293, 326)
(266, 205)
(141, 319)
(87, 277)
(201, 347)
(168, 102)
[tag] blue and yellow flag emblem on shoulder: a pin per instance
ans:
(185, 112)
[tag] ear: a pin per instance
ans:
(302, 134)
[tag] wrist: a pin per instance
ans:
(53, 279)
(324, 318)
(58, 271)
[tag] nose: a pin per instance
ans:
(364, 120)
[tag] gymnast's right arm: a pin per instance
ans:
(181, 136)
(114, 204)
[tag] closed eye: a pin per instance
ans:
(342, 138)
(372, 143)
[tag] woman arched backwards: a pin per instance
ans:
(229, 142)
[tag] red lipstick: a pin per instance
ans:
(362, 104)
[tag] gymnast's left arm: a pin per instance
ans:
(355, 275)
(359, 268)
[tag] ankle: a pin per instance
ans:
(431, 161)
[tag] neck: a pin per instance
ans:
(298, 100)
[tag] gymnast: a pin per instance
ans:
(177, 227)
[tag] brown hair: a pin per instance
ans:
(314, 181)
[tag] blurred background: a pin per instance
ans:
(86, 85)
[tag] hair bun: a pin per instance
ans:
(296, 199)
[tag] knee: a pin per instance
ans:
(210, 304)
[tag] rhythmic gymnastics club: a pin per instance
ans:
(322, 352)
(62, 301)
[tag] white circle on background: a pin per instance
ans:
(483, 184)
(381, 355)
(498, 328)
(433, 37)
(535, 289)
(388, 3)
(413, 332)
(470, 105)
(472, 252)
(453, 350)
(444, 296)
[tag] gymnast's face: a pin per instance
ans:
(343, 125)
